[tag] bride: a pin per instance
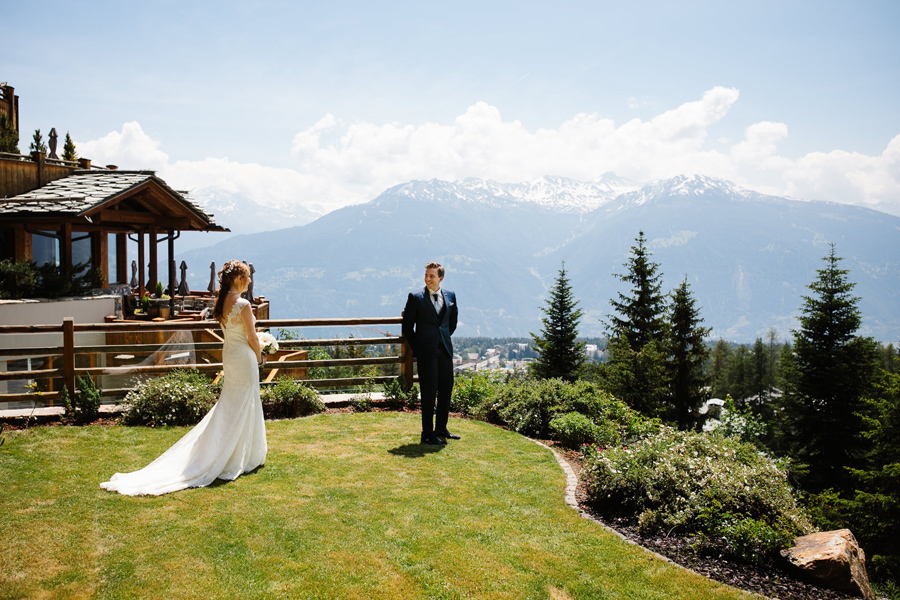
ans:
(231, 438)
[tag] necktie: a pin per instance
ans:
(437, 304)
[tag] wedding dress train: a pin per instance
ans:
(229, 441)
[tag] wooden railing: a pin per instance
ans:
(83, 361)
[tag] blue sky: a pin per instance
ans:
(326, 104)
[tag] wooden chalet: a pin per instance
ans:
(99, 207)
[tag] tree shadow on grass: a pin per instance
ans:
(414, 450)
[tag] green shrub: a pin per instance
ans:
(17, 278)
(179, 398)
(288, 399)
(85, 407)
(573, 429)
(473, 392)
(397, 397)
(361, 403)
(528, 405)
(694, 483)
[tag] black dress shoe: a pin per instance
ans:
(433, 440)
(447, 434)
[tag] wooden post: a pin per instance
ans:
(69, 355)
(154, 277)
(121, 258)
(22, 243)
(171, 262)
(101, 258)
(65, 247)
(141, 275)
(406, 367)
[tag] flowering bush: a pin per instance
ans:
(178, 398)
(725, 491)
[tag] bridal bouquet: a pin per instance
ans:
(268, 343)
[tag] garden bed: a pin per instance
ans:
(768, 580)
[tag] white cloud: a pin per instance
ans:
(130, 149)
(337, 163)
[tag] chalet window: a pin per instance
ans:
(45, 249)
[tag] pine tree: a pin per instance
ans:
(636, 371)
(640, 314)
(559, 354)
(826, 378)
(9, 137)
(37, 143)
(69, 149)
(687, 355)
(719, 369)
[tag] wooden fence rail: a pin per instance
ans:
(62, 359)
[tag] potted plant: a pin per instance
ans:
(159, 303)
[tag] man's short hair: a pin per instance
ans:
(434, 265)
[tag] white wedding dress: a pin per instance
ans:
(229, 441)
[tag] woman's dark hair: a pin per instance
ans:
(230, 271)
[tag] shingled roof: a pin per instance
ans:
(89, 191)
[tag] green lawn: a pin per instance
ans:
(347, 506)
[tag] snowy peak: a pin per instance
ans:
(558, 194)
(688, 185)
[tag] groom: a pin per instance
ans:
(429, 320)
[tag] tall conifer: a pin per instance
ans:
(829, 373)
(69, 149)
(636, 370)
(37, 143)
(687, 356)
(559, 354)
(639, 317)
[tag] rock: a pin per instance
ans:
(834, 559)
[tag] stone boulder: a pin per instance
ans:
(832, 559)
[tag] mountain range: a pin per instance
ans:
(748, 257)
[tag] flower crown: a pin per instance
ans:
(229, 267)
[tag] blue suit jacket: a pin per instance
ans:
(425, 330)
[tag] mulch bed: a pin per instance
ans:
(768, 580)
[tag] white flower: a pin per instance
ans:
(268, 343)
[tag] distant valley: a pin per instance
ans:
(748, 257)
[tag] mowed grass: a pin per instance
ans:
(347, 506)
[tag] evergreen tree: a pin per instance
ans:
(636, 371)
(559, 354)
(637, 377)
(738, 382)
(640, 314)
(69, 149)
(37, 143)
(9, 137)
(826, 378)
(718, 369)
(759, 374)
(687, 355)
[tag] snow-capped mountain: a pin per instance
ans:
(558, 194)
(748, 257)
